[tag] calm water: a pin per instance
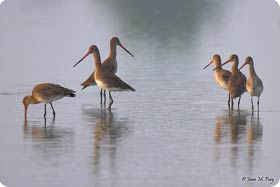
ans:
(175, 130)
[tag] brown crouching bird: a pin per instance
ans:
(46, 93)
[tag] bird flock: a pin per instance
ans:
(235, 82)
(103, 76)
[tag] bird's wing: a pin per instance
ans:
(118, 83)
(90, 81)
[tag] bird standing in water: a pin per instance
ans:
(46, 93)
(254, 84)
(103, 78)
(237, 81)
(221, 75)
(110, 64)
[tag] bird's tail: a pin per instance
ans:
(132, 89)
(69, 92)
(83, 86)
(71, 95)
(128, 87)
(89, 82)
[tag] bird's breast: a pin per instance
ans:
(221, 81)
(101, 84)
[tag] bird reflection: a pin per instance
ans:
(38, 131)
(106, 132)
(237, 130)
(232, 124)
(103, 131)
(48, 141)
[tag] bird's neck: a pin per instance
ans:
(32, 100)
(218, 65)
(251, 70)
(234, 68)
(113, 51)
(97, 61)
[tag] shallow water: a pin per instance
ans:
(175, 130)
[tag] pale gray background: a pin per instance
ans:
(175, 130)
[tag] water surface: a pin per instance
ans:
(175, 130)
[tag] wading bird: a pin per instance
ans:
(103, 78)
(221, 75)
(254, 84)
(46, 93)
(237, 81)
(110, 64)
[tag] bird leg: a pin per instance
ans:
(104, 94)
(252, 103)
(45, 113)
(258, 103)
(239, 102)
(228, 101)
(53, 110)
(232, 103)
(101, 96)
(111, 100)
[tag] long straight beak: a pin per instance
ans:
(242, 65)
(208, 64)
(82, 58)
(222, 64)
(126, 50)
